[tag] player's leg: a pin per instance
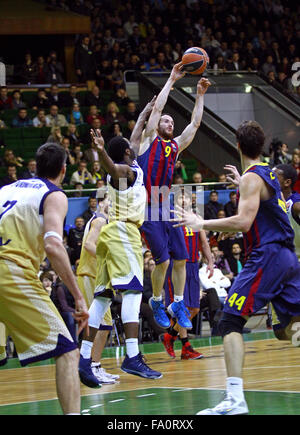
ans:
(188, 352)
(67, 382)
(3, 339)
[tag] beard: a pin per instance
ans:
(165, 134)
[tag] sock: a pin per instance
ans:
(172, 332)
(178, 298)
(184, 340)
(157, 298)
(86, 349)
(132, 347)
(235, 387)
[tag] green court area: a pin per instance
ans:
(163, 401)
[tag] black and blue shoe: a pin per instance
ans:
(86, 374)
(137, 366)
(179, 311)
(159, 313)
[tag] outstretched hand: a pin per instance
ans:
(149, 106)
(202, 86)
(177, 72)
(97, 139)
(234, 176)
(187, 218)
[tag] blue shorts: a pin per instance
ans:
(164, 241)
(271, 274)
(191, 295)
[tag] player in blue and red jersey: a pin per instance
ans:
(194, 241)
(271, 272)
(157, 157)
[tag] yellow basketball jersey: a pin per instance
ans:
(21, 221)
(128, 205)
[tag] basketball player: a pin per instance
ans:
(32, 214)
(157, 157)
(86, 275)
(272, 270)
(193, 241)
(287, 177)
(119, 256)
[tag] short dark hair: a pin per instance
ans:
(50, 158)
(288, 172)
(116, 148)
(251, 138)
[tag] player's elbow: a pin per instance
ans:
(52, 245)
(245, 226)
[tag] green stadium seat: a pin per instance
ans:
(45, 132)
(28, 97)
(31, 132)
(31, 143)
(12, 133)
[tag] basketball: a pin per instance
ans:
(195, 60)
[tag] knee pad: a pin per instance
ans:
(97, 310)
(131, 304)
(231, 323)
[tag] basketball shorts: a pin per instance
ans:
(86, 284)
(34, 324)
(271, 274)
(119, 258)
(164, 241)
(191, 295)
(3, 338)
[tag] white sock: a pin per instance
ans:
(235, 387)
(132, 347)
(178, 298)
(157, 298)
(86, 349)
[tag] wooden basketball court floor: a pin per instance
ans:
(271, 382)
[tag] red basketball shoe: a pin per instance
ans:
(189, 353)
(168, 342)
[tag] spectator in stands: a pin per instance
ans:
(75, 238)
(22, 119)
(17, 102)
(73, 135)
(113, 114)
(9, 159)
(11, 175)
(180, 170)
(91, 155)
(55, 69)
(30, 172)
(77, 153)
(222, 179)
(114, 130)
(91, 210)
(221, 262)
(235, 259)
(28, 70)
(121, 97)
(117, 77)
(2, 125)
(131, 111)
(55, 135)
(41, 101)
(75, 116)
(40, 120)
(46, 279)
(65, 143)
(71, 97)
(41, 70)
(64, 302)
(97, 172)
(82, 175)
(84, 60)
(269, 66)
(93, 97)
(56, 119)
(231, 206)
(79, 188)
(130, 128)
(5, 99)
(197, 178)
(94, 112)
(213, 206)
(55, 97)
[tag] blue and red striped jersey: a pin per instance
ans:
(192, 244)
(158, 164)
(271, 224)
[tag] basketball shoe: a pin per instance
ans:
(179, 311)
(189, 353)
(228, 406)
(86, 374)
(101, 375)
(168, 342)
(137, 366)
(159, 313)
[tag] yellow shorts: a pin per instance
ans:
(86, 284)
(119, 258)
(35, 326)
(3, 338)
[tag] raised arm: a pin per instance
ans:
(136, 135)
(160, 102)
(115, 171)
(92, 238)
(189, 132)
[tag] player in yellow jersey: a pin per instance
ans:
(119, 253)
(32, 214)
(86, 274)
